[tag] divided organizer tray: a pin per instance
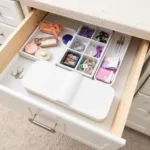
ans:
(58, 52)
(90, 44)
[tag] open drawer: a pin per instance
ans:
(105, 135)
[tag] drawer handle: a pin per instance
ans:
(1, 34)
(52, 130)
(1, 14)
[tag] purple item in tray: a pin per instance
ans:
(98, 51)
(86, 31)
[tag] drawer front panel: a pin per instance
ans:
(98, 139)
(146, 87)
(48, 120)
(15, 103)
(86, 136)
(142, 103)
(10, 12)
(83, 134)
(137, 122)
(5, 31)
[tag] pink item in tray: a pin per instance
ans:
(105, 75)
(31, 48)
(111, 63)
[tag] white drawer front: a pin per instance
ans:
(139, 117)
(10, 12)
(137, 122)
(142, 101)
(89, 137)
(141, 105)
(15, 103)
(50, 121)
(5, 31)
(96, 138)
(146, 87)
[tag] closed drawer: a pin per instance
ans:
(96, 134)
(146, 87)
(138, 122)
(10, 12)
(139, 117)
(5, 31)
(144, 73)
(141, 105)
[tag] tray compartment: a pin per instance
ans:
(79, 40)
(87, 30)
(116, 49)
(100, 31)
(95, 49)
(70, 59)
(87, 65)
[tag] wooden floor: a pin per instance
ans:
(16, 133)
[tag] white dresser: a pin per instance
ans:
(10, 17)
(105, 135)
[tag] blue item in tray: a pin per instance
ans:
(66, 38)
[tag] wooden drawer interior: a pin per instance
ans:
(126, 80)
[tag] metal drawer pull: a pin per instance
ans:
(52, 130)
